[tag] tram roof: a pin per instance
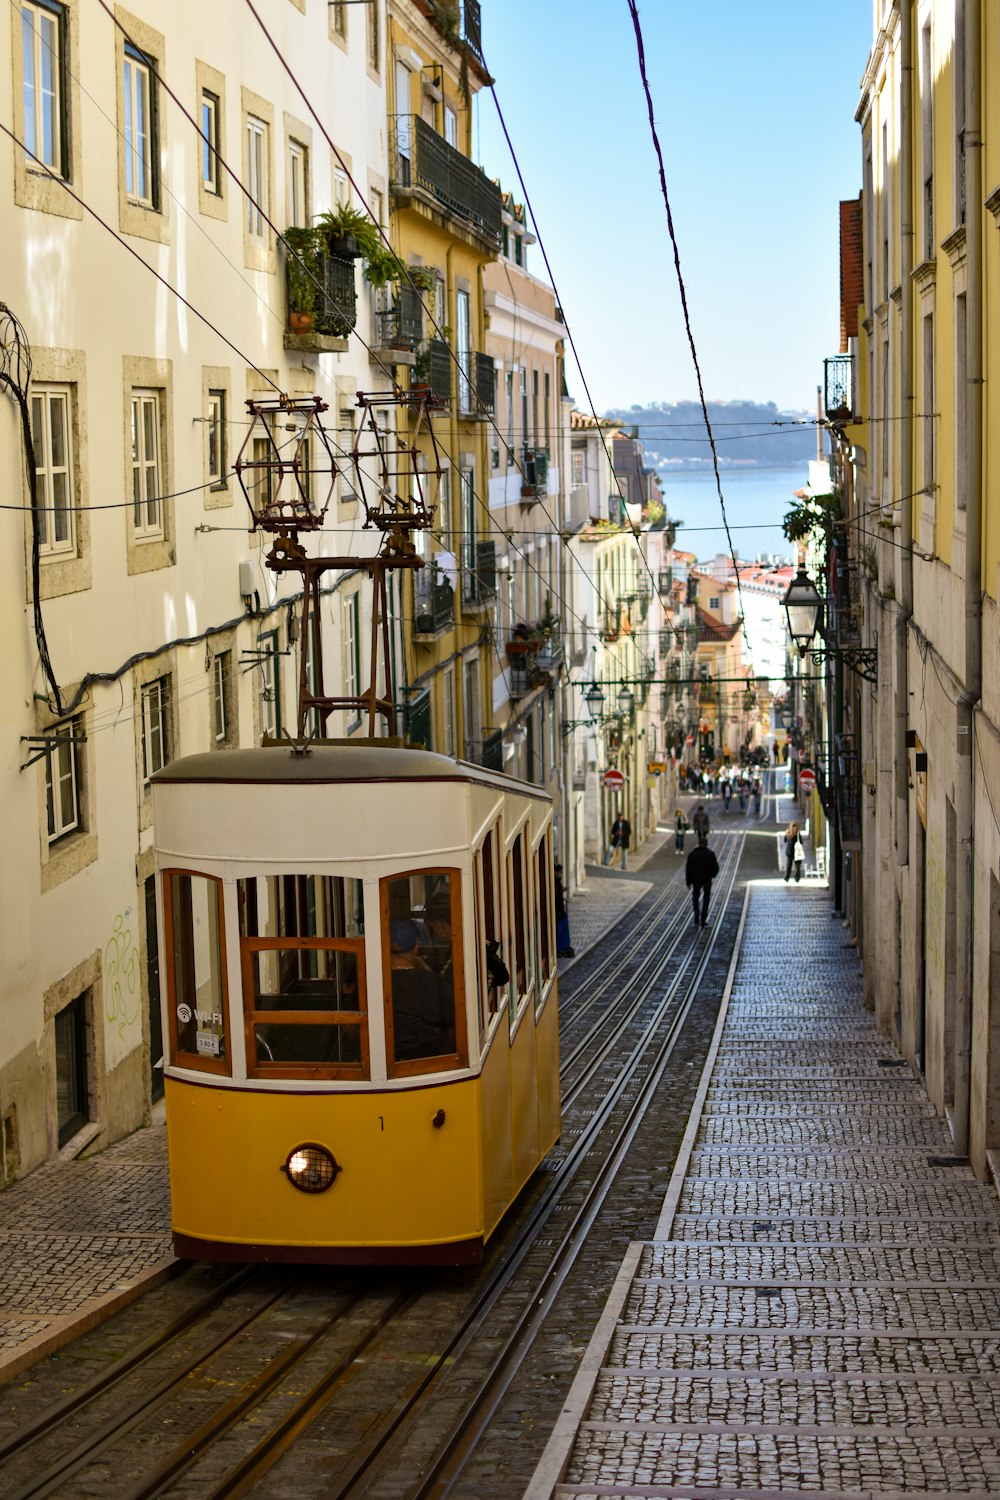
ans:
(331, 763)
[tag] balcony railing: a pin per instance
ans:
(417, 719)
(433, 602)
(335, 311)
(535, 469)
(401, 326)
(838, 393)
(848, 790)
(425, 160)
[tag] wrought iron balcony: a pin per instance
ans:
(335, 310)
(401, 326)
(848, 790)
(535, 468)
(838, 393)
(433, 602)
(425, 161)
(486, 383)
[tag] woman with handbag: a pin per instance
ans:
(793, 842)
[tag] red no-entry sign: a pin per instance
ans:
(614, 780)
(807, 779)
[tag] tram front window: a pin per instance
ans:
(422, 959)
(303, 975)
(195, 972)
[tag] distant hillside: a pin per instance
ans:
(747, 433)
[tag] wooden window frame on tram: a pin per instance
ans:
(195, 1061)
(444, 1062)
(359, 1072)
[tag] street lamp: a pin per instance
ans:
(787, 717)
(626, 702)
(594, 699)
(803, 606)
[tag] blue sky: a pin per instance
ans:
(755, 113)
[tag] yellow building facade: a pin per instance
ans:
(445, 226)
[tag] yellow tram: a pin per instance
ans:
(361, 1056)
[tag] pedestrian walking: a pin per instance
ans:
(680, 829)
(564, 947)
(727, 794)
(700, 824)
(699, 872)
(794, 852)
(756, 797)
(621, 834)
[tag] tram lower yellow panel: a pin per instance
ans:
(497, 1142)
(403, 1180)
(523, 1091)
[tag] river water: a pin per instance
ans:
(756, 502)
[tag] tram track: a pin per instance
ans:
(654, 1001)
(353, 1480)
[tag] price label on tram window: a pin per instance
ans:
(208, 1043)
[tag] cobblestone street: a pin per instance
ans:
(819, 1310)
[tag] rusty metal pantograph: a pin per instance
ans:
(286, 468)
(287, 555)
(397, 479)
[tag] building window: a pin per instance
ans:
(450, 126)
(448, 718)
(140, 129)
(62, 782)
(270, 687)
(352, 657)
(298, 184)
(44, 88)
(50, 432)
(463, 349)
(147, 512)
(217, 439)
(338, 16)
(579, 459)
(155, 750)
(210, 142)
(255, 172)
(222, 697)
(374, 46)
(72, 1104)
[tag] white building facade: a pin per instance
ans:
(142, 208)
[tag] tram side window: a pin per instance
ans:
(422, 967)
(302, 948)
(196, 974)
(519, 920)
(495, 965)
(543, 916)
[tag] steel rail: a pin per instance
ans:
(352, 1475)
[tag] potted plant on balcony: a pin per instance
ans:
(349, 232)
(303, 250)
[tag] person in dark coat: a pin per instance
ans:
(621, 836)
(700, 824)
(699, 872)
(564, 947)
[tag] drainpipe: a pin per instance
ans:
(965, 762)
(904, 610)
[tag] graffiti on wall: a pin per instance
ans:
(122, 995)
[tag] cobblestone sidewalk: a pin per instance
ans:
(819, 1313)
(77, 1240)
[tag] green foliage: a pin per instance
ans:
(383, 266)
(304, 250)
(813, 516)
(345, 222)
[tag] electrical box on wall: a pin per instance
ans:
(248, 578)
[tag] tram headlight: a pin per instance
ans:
(311, 1168)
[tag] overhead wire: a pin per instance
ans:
(427, 311)
(633, 10)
